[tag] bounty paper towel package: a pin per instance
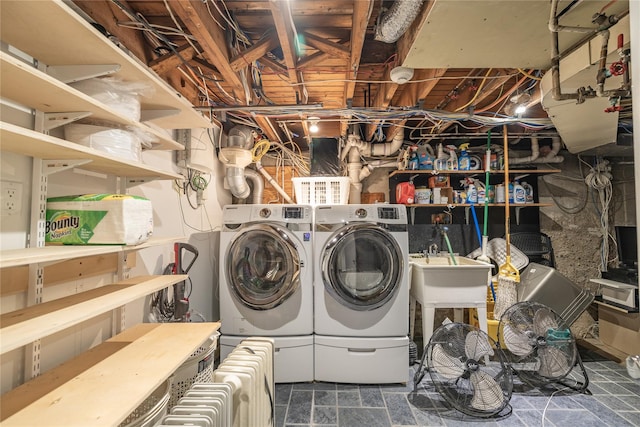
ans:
(99, 219)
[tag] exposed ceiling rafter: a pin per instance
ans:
(210, 37)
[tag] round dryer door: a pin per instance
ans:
(362, 266)
(263, 266)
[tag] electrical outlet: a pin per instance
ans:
(11, 197)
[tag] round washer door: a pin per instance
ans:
(263, 266)
(362, 266)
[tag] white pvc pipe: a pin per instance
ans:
(535, 153)
(273, 182)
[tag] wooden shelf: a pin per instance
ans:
(29, 86)
(474, 172)
(29, 324)
(19, 140)
(480, 205)
(51, 254)
(105, 384)
(54, 34)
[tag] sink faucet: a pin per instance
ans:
(432, 251)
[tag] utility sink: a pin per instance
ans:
(437, 279)
(436, 282)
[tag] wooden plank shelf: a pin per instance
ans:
(478, 205)
(17, 139)
(29, 86)
(51, 254)
(41, 32)
(26, 325)
(105, 384)
(473, 172)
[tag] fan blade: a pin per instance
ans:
(518, 343)
(543, 320)
(447, 366)
(487, 394)
(553, 362)
(477, 345)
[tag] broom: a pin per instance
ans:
(508, 274)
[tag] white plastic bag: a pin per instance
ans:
(116, 142)
(123, 97)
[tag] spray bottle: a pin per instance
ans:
(464, 161)
(472, 192)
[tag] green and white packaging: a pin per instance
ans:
(99, 219)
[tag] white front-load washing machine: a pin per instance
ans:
(266, 283)
(361, 293)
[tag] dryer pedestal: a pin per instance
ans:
(293, 356)
(361, 360)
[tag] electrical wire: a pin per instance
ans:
(531, 76)
(475, 96)
(599, 179)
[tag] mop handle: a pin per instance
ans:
(506, 183)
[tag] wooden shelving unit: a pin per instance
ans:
(473, 172)
(31, 87)
(29, 324)
(51, 254)
(19, 140)
(105, 384)
(57, 36)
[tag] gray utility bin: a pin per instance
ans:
(545, 285)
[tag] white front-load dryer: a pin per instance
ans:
(266, 283)
(361, 293)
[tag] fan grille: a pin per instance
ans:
(480, 388)
(541, 347)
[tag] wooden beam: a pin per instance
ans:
(108, 15)
(281, 11)
(166, 63)
(333, 49)
(361, 12)
(383, 98)
(267, 127)
(425, 81)
(274, 65)
(256, 51)
(211, 38)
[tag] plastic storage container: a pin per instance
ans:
(321, 190)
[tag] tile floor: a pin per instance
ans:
(614, 402)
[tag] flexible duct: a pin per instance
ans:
(258, 185)
(273, 183)
(236, 155)
(397, 20)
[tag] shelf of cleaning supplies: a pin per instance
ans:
(473, 172)
(480, 205)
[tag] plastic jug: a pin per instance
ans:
(405, 193)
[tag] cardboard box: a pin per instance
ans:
(620, 330)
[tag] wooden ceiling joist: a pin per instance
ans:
(286, 34)
(361, 12)
(255, 52)
(211, 38)
(267, 127)
(166, 63)
(333, 49)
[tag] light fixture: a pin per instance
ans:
(518, 104)
(520, 109)
(313, 124)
